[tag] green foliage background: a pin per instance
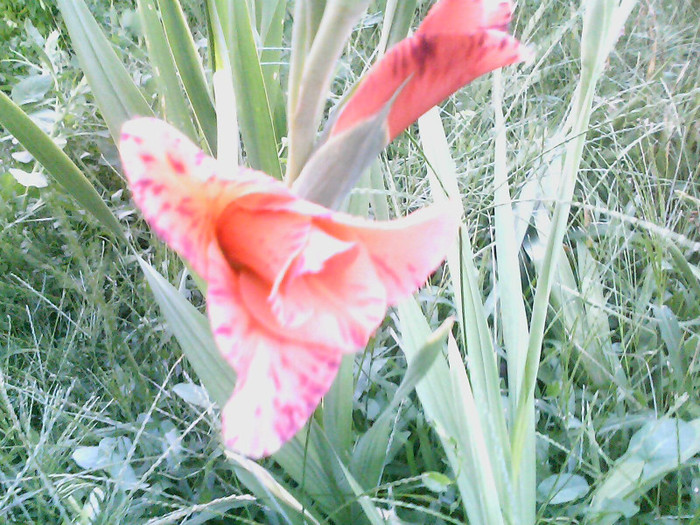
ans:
(95, 398)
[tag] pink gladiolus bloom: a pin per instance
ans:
(458, 41)
(292, 286)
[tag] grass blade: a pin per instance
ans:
(337, 409)
(264, 485)
(602, 23)
(474, 329)
(175, 107)
(254, 115)
(191, 329)
(189, 68)
(57, 163)
(513, 320)
(442, 401)
(397, 22)
(370, 453)
(115, 92)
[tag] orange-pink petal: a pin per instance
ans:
(337, 308)
(263, 241)
(404, 251)
(179, 189)
(436, 66)
(464, 16)
(280, 381)
(458, 41)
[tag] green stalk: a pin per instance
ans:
(338, 20)
(512, 308)
(603, 20)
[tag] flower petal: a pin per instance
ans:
(433, 66)
(338, 307)
(263, 240)
(276, 395)
(176, 186)
(465, 16)
(280, 381)
(404, 251)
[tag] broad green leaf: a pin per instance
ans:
(658, 448)
(115, 92)
(271, 30)
(562, 488)
(436, 482)
(57, 163)
(672, 336)
(31, 89)
(474, 330)
(513, 320)
(447, 402)
(366, 503)
(309, 459)
(397, 21)
(254, 115)
(599, 355)
(228, 145)
(377, 197)
(34, 179)
(189, 68)
(337, 409)
(690, 274)
(192, 331)
(307, 18)
(172, 98)
(264, 485)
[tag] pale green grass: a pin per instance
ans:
(86, 359)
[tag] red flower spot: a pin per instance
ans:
(147, 158)
(176, 164)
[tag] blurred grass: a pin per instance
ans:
(86, 356)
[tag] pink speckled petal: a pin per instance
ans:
(280, 381)
(176, 186)
(338, 307)
(404, 251)
(276, 395)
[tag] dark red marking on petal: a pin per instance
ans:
(143, 184)
(176, 164)
(224, 329)
(422, 50)
(147, 158)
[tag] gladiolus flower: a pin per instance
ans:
(292, 286)
(458, 41)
